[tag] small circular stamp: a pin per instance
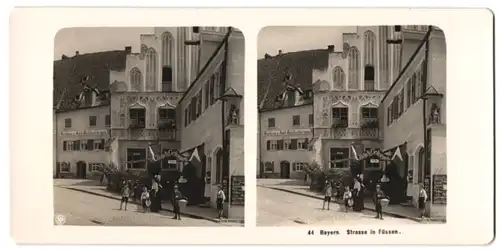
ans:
(59, 219)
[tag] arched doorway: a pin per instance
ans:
(218, 166)
(81, 170)
(285, 170)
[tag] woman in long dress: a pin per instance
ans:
(358, 189)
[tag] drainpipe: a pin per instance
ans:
(223, 120)
(424, 113)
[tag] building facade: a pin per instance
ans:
(413, 118)
(80, 141)
(284, 146)
(212, 117)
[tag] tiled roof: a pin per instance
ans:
(298, 65)
(68, 73)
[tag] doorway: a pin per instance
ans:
(285, 170)
(81, 170)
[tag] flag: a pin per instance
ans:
(195, 161)
(397, 158)
(152, 152)
(354, 153)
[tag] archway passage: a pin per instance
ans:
(285, 170)
(81, 170)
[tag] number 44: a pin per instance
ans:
(310, 232)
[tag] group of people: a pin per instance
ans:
(151, 199)
(354, 198)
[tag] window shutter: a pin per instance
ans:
(293, 144)
(90, 145)
(306, 143)
(268, 145)
(101, 145)
(64, 145)
(76, 145)
(280, 144)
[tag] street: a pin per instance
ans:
(278, 208)
(77, 208)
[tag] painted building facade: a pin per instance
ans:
(420, 88)
(212, 116)
(284, 145)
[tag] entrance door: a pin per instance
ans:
(285, 170)
(81, 170)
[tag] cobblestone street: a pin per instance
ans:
(277, 208)
(85, 209)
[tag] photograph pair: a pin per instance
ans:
(290, 128)
(149, 126)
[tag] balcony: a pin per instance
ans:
(137, 124)
(339, 123)
(168, 135)
(369, 122)
(348, 133)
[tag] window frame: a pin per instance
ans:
(345, 152)
(273, 122)
(67, 123)
(92, 120)
(296, 120)
(130, 165)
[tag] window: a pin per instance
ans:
(84, 145)
(199, 103)
(389, 114)
(311, 120)
(166, 119)
(207, 94)
(151, 67)
(76, 145)
(92, 120)
(67, 123)
(136, 80)
(271, 123)
(167, 49)
(339, 157)
(166, 79)
(96, 167)
(280, 145)
(136, 158)
(107, 120)
(384, 56)
(302, 143)
(369, 45)
(186, 117)
(369, 78)
(338, 78)
(353, 68)
(372, 162)
(272, 145)
(98, 144)
(408, 94)
(269, 167)
(138, 117)
(296, 120)
(65, 167)
(369, 117)
(217, 87)
(68, 145)
(299, 166)
(211, 85)
(340, 117)
(412, 84)
(402, 101)
(287, 143)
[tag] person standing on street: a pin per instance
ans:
(176, 197)
(221, 197)
(422, 199)
(347, 198)
(125, 194)
(377, 198)
(145, 199)
(328, 194)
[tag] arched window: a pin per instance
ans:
(369, 78)
(369, 42)
(353, 68)
(135, 80)
(151, 69)
(338, 78)
(384, 57)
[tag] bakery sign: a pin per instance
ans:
(285, 132)
(85, 132)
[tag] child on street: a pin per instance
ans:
(347, 198)
(145, 201)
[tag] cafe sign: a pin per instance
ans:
(285, 132)
(85, 132)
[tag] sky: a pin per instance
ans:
(291, 39)
(270, 40)
(87, 40)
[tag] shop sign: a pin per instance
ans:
(285, 132)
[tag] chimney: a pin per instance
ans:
(128, 49)
(64, 57)
(267, 56)
(331, 48)
(280, 52)
(77, 53)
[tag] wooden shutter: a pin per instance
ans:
(101, 145)
(64, 145)
(293, 144)
(76, 145)
(90, 144)
(306, 143)
(268, 145)
(280, 144)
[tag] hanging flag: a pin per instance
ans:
(152, 152)
(354, 153)
(195, 161)
(397, 158)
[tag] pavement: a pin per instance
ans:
(274, 194)
(85, 202)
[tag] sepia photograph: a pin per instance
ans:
(352, 125)
(148, 126)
